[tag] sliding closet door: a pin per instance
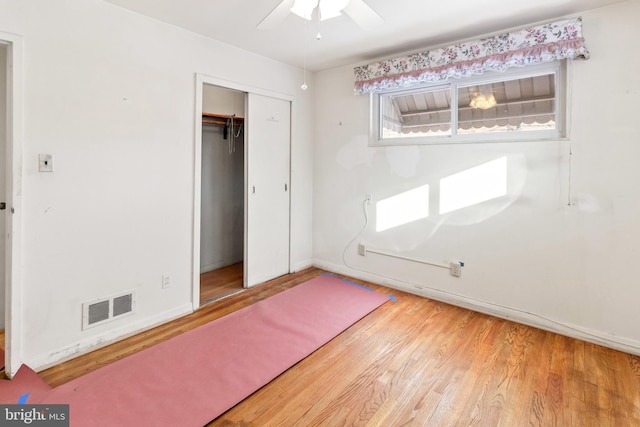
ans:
(268, 145)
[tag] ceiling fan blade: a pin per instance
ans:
(276, 16)
(362, 14)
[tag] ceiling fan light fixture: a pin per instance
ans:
(328, 8)
(304, 8)
(332, 8)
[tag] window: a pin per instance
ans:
(514, 105)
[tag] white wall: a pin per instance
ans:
(111, 95)
(529, 255)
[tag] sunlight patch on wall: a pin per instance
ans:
(402, 208)
(472, 186)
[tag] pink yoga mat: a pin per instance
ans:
(193, 378)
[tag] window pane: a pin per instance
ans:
(425, 112)
(520, 105)
(515, 105)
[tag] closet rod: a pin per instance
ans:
(219, 123)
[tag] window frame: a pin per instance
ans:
(557, 68)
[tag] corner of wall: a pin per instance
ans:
(561, 328)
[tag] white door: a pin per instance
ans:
(3, 176)
(268, 147)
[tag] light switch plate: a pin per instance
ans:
(45, 163)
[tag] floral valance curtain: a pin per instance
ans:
(542, 43)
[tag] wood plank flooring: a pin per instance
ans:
(220, 283)
(419, 362)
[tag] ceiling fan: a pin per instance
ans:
(357, 10)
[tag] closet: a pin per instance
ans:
(222, 193)
(242, 215)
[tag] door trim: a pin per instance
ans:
(201, 80)
(13, 241)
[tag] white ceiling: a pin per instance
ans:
(409, 25)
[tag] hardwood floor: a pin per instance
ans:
(220, 283)
(419, 362)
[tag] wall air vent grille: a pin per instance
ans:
(101, 311)
(98, 312)
(122, 305)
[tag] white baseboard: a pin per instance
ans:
(216, 265)
(39, 363)
(301, 265)
(529, 319)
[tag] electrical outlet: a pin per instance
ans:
(166, 282)
(362, 249)
(455, 268)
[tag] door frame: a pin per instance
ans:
(201, 80)
(13, 238)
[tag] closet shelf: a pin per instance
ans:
(221, 119)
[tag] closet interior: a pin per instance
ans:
(222, 199)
